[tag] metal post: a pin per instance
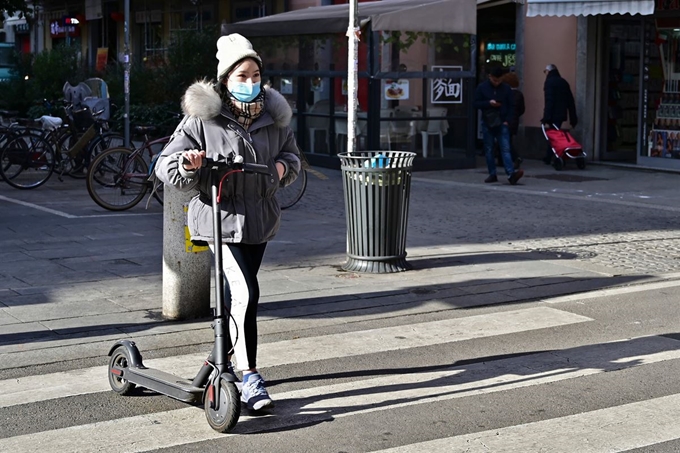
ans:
(353, 33)
(126, 80)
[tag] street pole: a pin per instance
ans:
(353, 33)
(126, 77)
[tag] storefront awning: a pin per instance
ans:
(588, 7)
(483, 4)
(433, 16)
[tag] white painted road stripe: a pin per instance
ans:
(614, 291)
(188, 425)
(71, 216)
(615, 429)
(91, 380)
(38, 207)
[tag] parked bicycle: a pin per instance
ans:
(118, 178)
(30, 154)
(88, 135)
(26, 156)
(289, 195)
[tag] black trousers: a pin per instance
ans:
(241, 264)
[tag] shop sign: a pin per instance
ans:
(102, 58)
(59, 31)
(667, 5)
(22, 28)
(502, 52)
(446, 91)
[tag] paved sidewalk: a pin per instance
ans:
(74, 278)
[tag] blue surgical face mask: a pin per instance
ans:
(244, 91)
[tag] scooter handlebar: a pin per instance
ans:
(234, 163)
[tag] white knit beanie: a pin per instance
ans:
(230, 50)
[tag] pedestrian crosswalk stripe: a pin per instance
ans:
(410, 387)
(607, 292)
(92, 380)
(614, 429)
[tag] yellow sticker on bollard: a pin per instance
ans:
(188, 245)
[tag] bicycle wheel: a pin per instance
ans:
(62, 144)
(121, 179)
(26, 161)
(5, 136)
(72, 166)
(289, 195)
(103, 142)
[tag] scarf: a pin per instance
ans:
(246, 112)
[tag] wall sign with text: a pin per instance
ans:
(502, 52)
(446, 91)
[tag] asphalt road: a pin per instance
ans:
(538, 317)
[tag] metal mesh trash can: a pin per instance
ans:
(377, 186)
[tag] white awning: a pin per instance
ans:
(434, 16)
(588, 7)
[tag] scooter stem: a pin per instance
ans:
(221, 324)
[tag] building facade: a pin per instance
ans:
(620, 58)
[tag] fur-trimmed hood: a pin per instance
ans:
(202, 101)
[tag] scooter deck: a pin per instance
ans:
(165, 383)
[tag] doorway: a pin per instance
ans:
(620, 90)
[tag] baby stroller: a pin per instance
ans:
(564, 146)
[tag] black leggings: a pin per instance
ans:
(241, 294)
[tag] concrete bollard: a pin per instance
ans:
(186, 268)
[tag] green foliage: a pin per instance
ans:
(191, 56)
(160, 115)
(155, 87)
(52, 68)
(14, 6)
(40, 76)
(405, 39)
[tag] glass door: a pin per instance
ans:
(621, 90)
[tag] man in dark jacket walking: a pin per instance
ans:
(496, 101)
(559, 101)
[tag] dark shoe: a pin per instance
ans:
(518, 163)
(491, 178)
(515, 177)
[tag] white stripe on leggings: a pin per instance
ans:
(239, 304)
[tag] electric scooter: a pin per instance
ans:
(215, 383)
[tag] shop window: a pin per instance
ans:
(661, 89)
(244, 10)
(622, 95)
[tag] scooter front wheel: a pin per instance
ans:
(223, 418)
(120, 360)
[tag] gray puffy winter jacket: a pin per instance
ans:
(250, 212)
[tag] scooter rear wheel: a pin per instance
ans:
(120, 358)
(226, 416)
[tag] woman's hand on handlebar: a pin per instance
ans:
(192, 159)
